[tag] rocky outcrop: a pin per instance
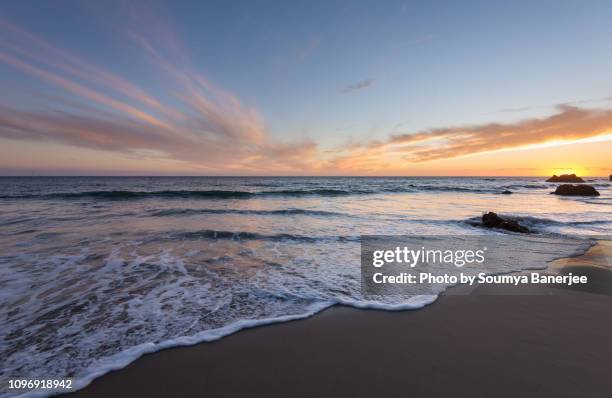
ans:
(575, 190)
(506, 192)
(492, 220)
(565, 178)
(610, 177)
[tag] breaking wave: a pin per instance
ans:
(282, 212)
(219, 194)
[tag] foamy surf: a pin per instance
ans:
(124, 358)
(101, 366)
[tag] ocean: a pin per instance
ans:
(97, 271)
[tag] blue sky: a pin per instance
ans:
(332, 73)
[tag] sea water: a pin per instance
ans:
(97, 271)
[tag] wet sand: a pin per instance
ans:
(489, 342)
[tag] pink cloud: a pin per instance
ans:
(211, 129)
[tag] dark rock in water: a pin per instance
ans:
(492, 220)
(610, 177)
(565, 178)
(506, 192)
(575, 190)
(514, 226)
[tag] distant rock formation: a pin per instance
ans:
(492, 220)
(575, 190)
(565, 178)
(506, 192)
(610, 177)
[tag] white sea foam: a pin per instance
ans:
(124, 358)
(307, 294)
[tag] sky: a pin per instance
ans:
(305, 88)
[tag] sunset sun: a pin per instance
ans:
(578, 170)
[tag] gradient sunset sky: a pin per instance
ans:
(305, 88)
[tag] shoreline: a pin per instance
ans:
(437, 350)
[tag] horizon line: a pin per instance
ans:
(286, 176)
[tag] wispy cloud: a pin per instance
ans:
(570, 103)
(569, 124)
(202, 124)
(357, 86)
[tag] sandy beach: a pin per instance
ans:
(538, 341)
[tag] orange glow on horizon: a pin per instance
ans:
(579, 171)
